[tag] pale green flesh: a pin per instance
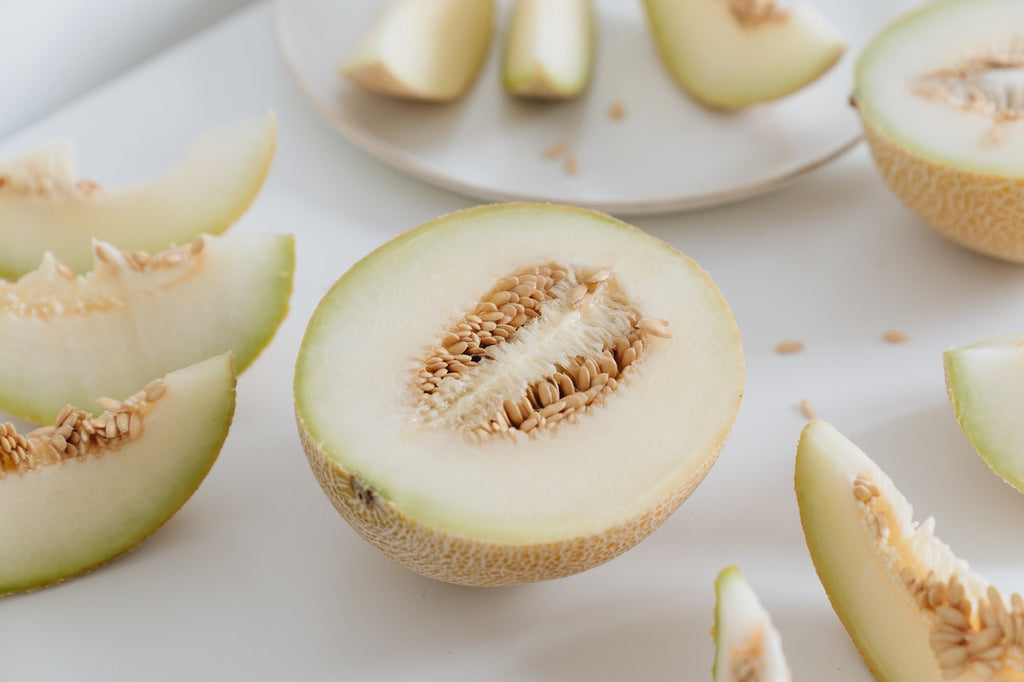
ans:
(232, 299)
(61, 520)
(740, 620)
(940, 35)
(985, 381)
(550, 47)
(206, 193)
(729, 65)
(578, 479)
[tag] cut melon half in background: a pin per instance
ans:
(941, 97)
(45, 206)
(731, 54)
(516, 392)
(914, 610)
(85, 489)
(985, 382)
(549, 48)
(70, 338)
(747, 645)
(422, 49)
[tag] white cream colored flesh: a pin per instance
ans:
(943, 35)
(742, 625)
(550, 47)
(729, 64)
(205, 193)
(63, 519)
(422, 49)
(72, 340)
(356, 369)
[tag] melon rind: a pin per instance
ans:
(59, 521)
(419, 526)
(206, 193)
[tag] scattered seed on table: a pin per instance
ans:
(808, 409)
(790, 346)
(895, 337)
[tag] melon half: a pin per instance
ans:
(516, 392)
(85, 489)
(45, 206)
(940, 94)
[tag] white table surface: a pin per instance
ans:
(258, 578)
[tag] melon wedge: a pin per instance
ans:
(109, 485)
(914, 610)
(747, 645)
(44, 206)
(426, 50)
(731, 54)
(516, 392)
(549, 50)
(985, 382)
(70, 338)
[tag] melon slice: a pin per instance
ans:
(914, 610)
(44, 206)
(546, 385)
(985, 381)
(422, 49)
(735, 53)
(549, 51)
(77, 493)
(70, 338)
(747, 646)
(940, 94)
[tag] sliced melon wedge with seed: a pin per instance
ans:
(985, 382)
(747, 645)
(83, 490)
(549, 50)
(44, 206)
(914, 610)
(70, 338)
(516, 392)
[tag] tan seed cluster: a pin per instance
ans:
(755, 12)
(747, 663)
(965, 87)
(76, 433)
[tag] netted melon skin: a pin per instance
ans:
(983, 212)
(465, 561)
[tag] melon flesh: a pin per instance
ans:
(985, 381)
(549, 51)
(735, 53)
(431, 491)
(44, 206)
(747, 646)
(62, 519)
(72, 339)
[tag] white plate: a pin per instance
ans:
(667, 153)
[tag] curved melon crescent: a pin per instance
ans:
(135, 317)
(65, 518)
(43, 206)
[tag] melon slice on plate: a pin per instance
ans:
(70, 338)
(516, 392)
(85, 489)
(428, 50)
(914, 610)
(44, 206)
(735, 53)
(747, 646)
(549, 50)
(940, 94)
(985, 381)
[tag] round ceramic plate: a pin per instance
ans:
(665, 153)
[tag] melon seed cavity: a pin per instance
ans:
(544, 345)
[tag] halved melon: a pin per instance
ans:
(914, 610)
(84, 490)
(44, 206)
(735, 53)
(940, 94)
(516, 392)
(549, 50)
(69, 338)
(422, 49)
(985, 381)
(747, 646)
